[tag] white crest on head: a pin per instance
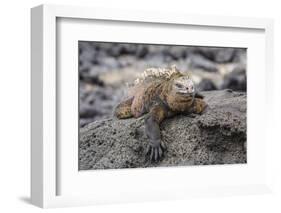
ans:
(155, 73)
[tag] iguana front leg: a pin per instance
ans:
(198, 107)
(156, 147)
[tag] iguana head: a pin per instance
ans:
(183, 85)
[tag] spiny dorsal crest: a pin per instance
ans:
(157, 73)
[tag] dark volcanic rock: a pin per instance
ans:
(216, 137)
(236, 80)
(198, 61)
(220, 55)
(206, 85)
(97, 102)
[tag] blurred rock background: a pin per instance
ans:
(106, 68)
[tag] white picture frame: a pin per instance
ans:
(45, 166)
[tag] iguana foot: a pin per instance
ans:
(156, 150)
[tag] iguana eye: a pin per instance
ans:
(179, 85)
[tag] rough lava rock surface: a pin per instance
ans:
(216, 137)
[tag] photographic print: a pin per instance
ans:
(150, 105)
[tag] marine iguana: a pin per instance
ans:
(160, 93)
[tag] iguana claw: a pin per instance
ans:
(156, 151)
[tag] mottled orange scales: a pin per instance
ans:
(123, 109)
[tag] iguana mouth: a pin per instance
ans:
(185, 93)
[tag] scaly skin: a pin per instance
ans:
(159, 100)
